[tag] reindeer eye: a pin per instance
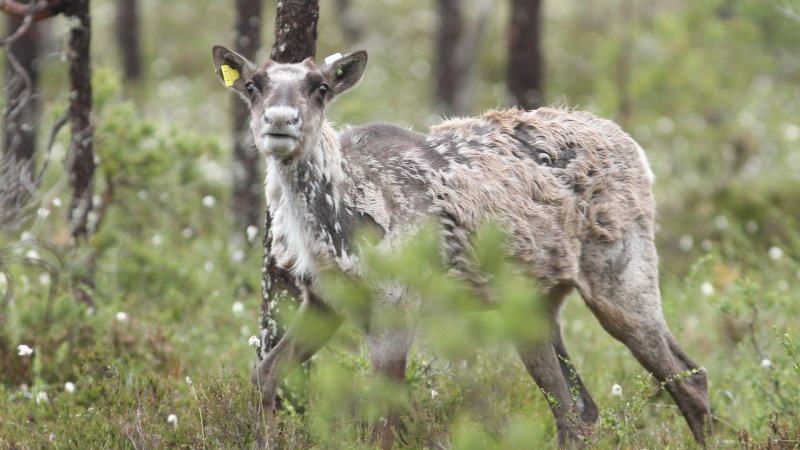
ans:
(324, 89)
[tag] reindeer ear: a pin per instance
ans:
(233, 69)
(346, 72)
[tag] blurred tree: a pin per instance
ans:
(80, 163)
(456, 46)
(128, 38)
(524, 72)
(21, 117)
(295, 40)
(248, 172)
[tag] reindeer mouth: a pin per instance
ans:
(281, 136)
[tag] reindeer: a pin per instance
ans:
(572, 192)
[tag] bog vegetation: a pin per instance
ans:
(161, 359)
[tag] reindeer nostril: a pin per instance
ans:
(268, 120)
(293, 121)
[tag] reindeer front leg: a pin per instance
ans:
(388, 355)
(312, 327)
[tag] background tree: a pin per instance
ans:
(456, 49)
(524, 74)
(128, 38)
(248, 171)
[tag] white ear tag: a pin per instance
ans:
(333, 58)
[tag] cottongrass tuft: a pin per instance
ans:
(616, 390)
(69, 387)
(173, 419)
(24, 350)
(122, 317)
(254, 341)
(775, 253)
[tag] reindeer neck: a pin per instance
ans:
(304, 197)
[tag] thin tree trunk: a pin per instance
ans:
(128, 39)
(456, 46)
(448, 75)
(82, 165)
(525, 58)
(248, 172)
(295, 40)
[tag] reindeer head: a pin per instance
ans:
(287, 101)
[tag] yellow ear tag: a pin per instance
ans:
(229, 75)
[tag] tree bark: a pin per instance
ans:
(524, 73)
(248, 172)
(21, 118)
(295, 30)
(128, 39)
(81, 169)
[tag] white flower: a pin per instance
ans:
(122, 316)
(616, 390)
(775, 253)
(254, 341)
(43, 213)
(209, 201)
(69, 387)
(251, 232)
(765, 363)
(44, 279)
(188, 381)
(208, 266)
(686, 243)
(3, 280)
(187, 232)
(173, 419)
(434, 393)
(24, 350)
(142, 195)
(157, 240)
(41, 397)
(707, 288)
(721, 222)
(32, 254)
(238, 308)
(238, 256)
(52, 437)
(57, 202)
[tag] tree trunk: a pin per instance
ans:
(448, 74)
(128, 39)
(21, 119)
(295, 40)
(248, 172)
(295, 30)
(525, 59)
(81, 168)
(457, 42)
